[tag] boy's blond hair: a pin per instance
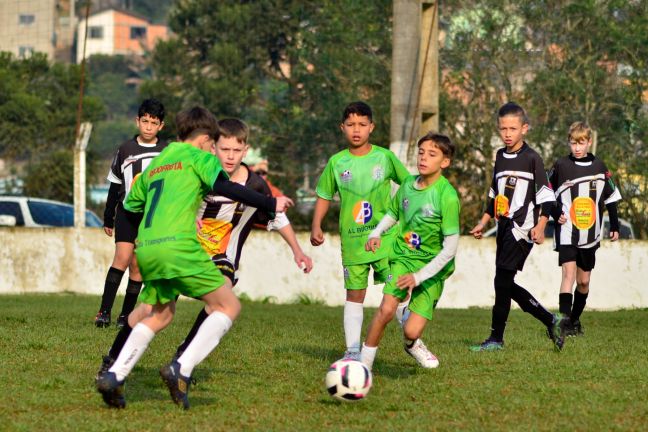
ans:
(233, 127)
(579, 131)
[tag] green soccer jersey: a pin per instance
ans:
(425, 217)
(364, 185)
(169, 193)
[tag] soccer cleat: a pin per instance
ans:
(177, 383)
(112, 391)
(558, 330)
(103, 318)
(422, 355)
(351, 355)
(488, 345)
(575, 329)
(122, 320)
(106, 364)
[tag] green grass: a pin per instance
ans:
(268, 374)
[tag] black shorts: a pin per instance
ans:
(585, 258)
(125, 226)
(511, 253)
(226, 267)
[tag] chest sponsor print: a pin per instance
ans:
(583, 213)
(362, 212)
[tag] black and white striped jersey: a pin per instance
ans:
(583, 187)
(224, 225)
(519, 187)
(131, 159)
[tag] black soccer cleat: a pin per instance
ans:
(103, 318)
(177, 384)
(558, 330)
(112, 391)
(575, 329)
(122, 320)
(106, 364)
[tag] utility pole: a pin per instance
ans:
(415, 76)
(80, 174)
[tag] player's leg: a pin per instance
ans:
(585, 264)
(227, 269)
(422, 305)
(567, 261)
(382, 317)
(222, 308)
(355, 283)
(121, 260)
(132, 291)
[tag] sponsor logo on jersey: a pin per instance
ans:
(501, 206)
(427, 211)
(413, 240)
(583, 213)
(378, 173)
(593, 185)
(405, 204)
(362, 212)
(511, 181)
(345, 176)
(168, 167)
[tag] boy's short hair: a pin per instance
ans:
(442, 142)
(196, 120)
(357, 108)
(153, 108)
(512, 109)
(579, 131)
(233, 127)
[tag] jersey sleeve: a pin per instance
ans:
(611, 193)
(326, 186)
(136, 199)
(400, 173)
(115, 174)
(208, 168)
(544, 194)
(258, 184)
(394, 204)
(450, 209)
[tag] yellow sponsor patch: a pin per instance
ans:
(583, 213)
(501, 206)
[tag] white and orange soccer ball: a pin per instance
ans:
(348, 380)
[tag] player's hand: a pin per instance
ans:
(283, 203)
(477, 231)
(537, 235)
(317, 236)
(108, 231)
(562, 219)
(304, 262)
(614, 235)
(406, 282)
(372, 244)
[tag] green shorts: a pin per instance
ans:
(165, 290)
(356, 276)
(424, 296)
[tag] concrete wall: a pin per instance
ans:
(76, 260)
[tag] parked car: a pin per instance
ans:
(625, 229)
(38, 212)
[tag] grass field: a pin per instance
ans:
(268, 374)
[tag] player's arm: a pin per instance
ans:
(544, 198)
(489, 212)
(321, 208)
(411, 280)
(613, 215)
(238, 193)
(373, 242)
(111, 204)
(302, 260)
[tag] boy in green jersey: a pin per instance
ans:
(422, 257)
(171, 259)
(362, 175)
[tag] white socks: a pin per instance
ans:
(353, 314)
(368, 355)
(207, 338)
(133, 349)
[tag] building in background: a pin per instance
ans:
(29, 26)
(116, 31)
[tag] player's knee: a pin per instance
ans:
(412, 333)
(356, 296)
(387, 312)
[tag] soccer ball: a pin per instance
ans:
(348, 380)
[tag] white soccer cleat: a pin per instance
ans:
(422, 355)
(351, 355)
